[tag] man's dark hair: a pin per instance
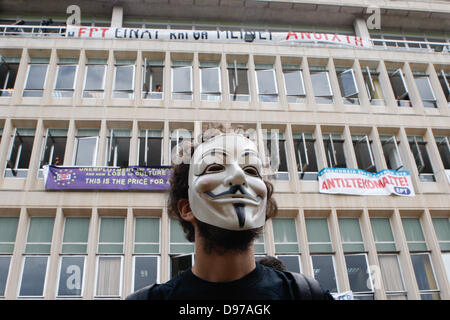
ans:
(273, 262)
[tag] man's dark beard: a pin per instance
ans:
(221, 241)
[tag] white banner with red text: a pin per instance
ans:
(363, 183)
(264, 37)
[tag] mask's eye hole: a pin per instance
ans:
(251, 171)
(214, 168)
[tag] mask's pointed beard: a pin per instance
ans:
(240, 212)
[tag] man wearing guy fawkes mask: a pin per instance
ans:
(222, 203)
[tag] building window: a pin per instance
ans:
(321, 86)
(177, 137)
(8, 231)
(86, 147)
(399, 87)
(110, 256)
(146, 250)
(20, 153)
(182, 80)
(359, 276)
(150, 148)
(275, 148)
(425, 276)
(334, 150)
(348, 86)
(210, 80)
(373, 87)
(426, 91)
(258, 244)
(153, 76)
(321, 250)
(94, 83)
(124, 79)
(446, 259)
(414, 234)
(442, 228)
(363, 152)
(305, 155)
(285, 236)
(37, 251)
(266, 83)
(37, 74)
(444, 81)
(74, 251)
(292, 262)
(118, 148)
(352, 240)
(444, 150)
(54, 148)
(389, 265)
(391, 152)
(293, 80)
(8, 73)
(65, 78)
(181, 251)
(238, 81)
(419, 150)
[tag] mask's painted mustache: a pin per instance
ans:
(239, 208)
(233, 189)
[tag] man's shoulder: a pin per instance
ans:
(154, 291)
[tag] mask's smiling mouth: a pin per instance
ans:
(235, 192)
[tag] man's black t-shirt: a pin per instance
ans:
(263, 283)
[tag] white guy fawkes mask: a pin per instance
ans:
(225, 185)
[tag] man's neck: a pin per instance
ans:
(225, 267)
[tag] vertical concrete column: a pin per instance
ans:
(310, 100)
(320, 148)
(70, 144)
(385, 83)
(361, 30)
(5, 147)
(377, 149)
(51, 77)
(374, 267)
(268, 238)
(109, 79)
(405, 260)
(17, 260)
(16, 98)
(196, 81)
(436, 162)
(128, 255)
(35, 154)
(337, 97)
(167, 88)
(290, 158)
(280, 80)
(53, 263)
(138, 80)
(166, 144)
(79, 80)
(413, 92)
(91, 263)
(164, 238)
(117, 17)
(408, 159)
(350, 156)
(441, 100)
(436, 255)
(254, 101)
(225, 84)
(363, 97)
(134, 144)
(304, 247)
(103, 144)
(341, 266)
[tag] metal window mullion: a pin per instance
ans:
(306, 152)
(419, 153)
(372, 162)
(333, 151)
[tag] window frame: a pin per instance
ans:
(145, 140)
(188, 92)
(302, 168)
(402, 278)
(361, 293)
(302, 94)
(112, 149)
(372, 165)
(83, 278)
(428, 291)
(333, 264)
(153, 94)
(330, 94)
(232, 91)
(444, 141)
(405, 94)
(284, 252)
(131, 91)
(44, 286)
(272, 97)
(427, 101)
(348, 97)
(395, 149)
(97, 251)
(99, 93)
(8, 273)
(158, 268)
(44, 148)
(280, 139)
(334, 161)
(280, 257)
(419, 156)
(121, 275)
(23, 172)
(94, 155)
(215, 96)
(43, 84)
(57, 92)
(445, 86)
(4, 91)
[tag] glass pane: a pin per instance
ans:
(71, 276)
(266, 82)
(292, 263)
(36, 77)
(390, 271)
(65, 78)
(153, 81)
(382, 230)
(145, 271)
(4, 270)
(94, 77)
(358, 273)
(350, 230)
(176, 232)
(33, 277)
(424, 87)
(391, 154)
(178, 264)
(112, 229)
(8, 229)
(423, 271)
(399, 85)
(363, 154)
(294, 83)
(147, 230)
(86, 151)
(40, 229)
(108, 276)
(55, 149)
(317, 230)
(181, 79)
(323, 267)
(413, 229)
(441, 226)
(444, 151)
(241, 85)
(446, 259)
(321, 84)
(347, 83)
(284, 230)
(124, 78)
(76, 230)
(210, 80)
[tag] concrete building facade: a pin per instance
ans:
(96, 103)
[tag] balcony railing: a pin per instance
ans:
(385, 44)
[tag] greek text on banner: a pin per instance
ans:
(360, 182)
